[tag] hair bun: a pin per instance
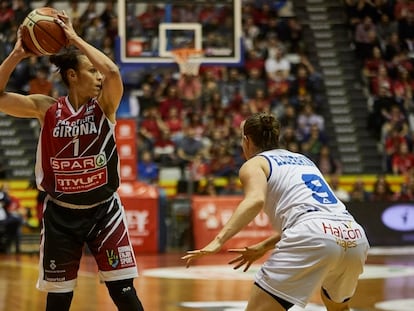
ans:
(267, 121)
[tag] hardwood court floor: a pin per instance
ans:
(18, 274)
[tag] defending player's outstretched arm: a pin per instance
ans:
(254, 181)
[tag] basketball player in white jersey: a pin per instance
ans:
(317, 245)
(77, 166)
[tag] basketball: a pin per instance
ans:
(41, 35)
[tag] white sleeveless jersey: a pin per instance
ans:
(297, 188)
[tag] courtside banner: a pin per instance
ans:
(209, 214)
(385, 223)
(126, 144)
(141, 208)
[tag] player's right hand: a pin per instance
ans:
(19, 47)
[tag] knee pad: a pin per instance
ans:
(58, 301)
(124, 295)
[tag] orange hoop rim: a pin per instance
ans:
(182, 55)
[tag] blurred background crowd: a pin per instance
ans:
(193, 122)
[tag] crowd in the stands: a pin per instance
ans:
(383, 34)
(192, 122)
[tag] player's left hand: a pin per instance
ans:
(246, 257)
(64, 21)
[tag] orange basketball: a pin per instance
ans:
(41, 35)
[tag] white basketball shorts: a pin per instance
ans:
(316, 253)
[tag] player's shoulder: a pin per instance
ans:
(252, 165)
(42, 102)
(41, 99)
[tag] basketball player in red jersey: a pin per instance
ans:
(77, 166)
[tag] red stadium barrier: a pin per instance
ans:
(209, 214)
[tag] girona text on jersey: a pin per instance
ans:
(65, 128)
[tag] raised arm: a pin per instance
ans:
(254, 181)
(17, 105)
(112, 88)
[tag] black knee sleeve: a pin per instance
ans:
(58, 301)
(285, 304)
(124, 295)
(327, 295)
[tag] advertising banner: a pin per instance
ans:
(385, 223)
(209, 214)
(142, 213)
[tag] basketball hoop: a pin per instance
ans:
(188, 60)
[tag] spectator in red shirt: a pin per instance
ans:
(381, 81)
(240, 115)
(6, 16)
(393, 140)
(150, 19)
(379, 193)
(406, 192)
(199, 168)
(164, 150)
(301, 88)
(189, 88)
(174, 123)
(171, 101)
(262, 16)
(195, 121)
(402, 161)
(222, 163)
(254, 61)
(150, 127)
(371, 64)
(260, 102)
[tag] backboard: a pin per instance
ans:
(151, 29)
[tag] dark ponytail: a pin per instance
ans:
(67, 58)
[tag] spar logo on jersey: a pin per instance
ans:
(81, 164)
(113, 258)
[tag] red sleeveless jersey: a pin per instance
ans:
(77, 159)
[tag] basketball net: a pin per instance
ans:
(188, 60)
